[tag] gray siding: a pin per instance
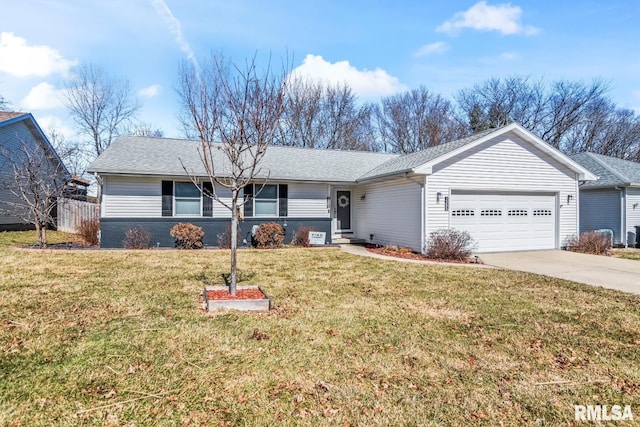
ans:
(141, 197)
(113, 229)
(308, 200)
(12, 138)
(633, 215)
(390, 211)
(138, 197)
(600, 209)
(503, 164)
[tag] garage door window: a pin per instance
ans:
(542, 212)
(491, 212)
(517, 212)
(463, 212)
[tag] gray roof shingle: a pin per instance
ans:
(163, 156)
(410, 161)
(611, 171)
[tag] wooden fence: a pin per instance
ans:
(72, 212)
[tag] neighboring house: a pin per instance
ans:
(18, 130)
(613, 201)
(507, 187)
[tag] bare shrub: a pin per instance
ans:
(269, 235)
(88, 231)
(301, 237)
(137, 238)
(187, 236)
(224, 238)
(589, 242)
(450, 244)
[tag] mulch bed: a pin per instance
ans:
(406, 253)
(241, 294)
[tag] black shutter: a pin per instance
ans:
(167, 198)
(248, 200)
(283, 200)
(207, 201)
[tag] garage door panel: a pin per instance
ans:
(506, 221)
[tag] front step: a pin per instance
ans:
(347, 241)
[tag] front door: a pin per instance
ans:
(343, 210)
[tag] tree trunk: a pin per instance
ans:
(234, 243)
(41, 235)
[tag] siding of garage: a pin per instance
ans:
(506, 163)
(391, 211)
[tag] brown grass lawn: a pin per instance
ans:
(630, 253)
(118, 338)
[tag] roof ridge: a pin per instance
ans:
(341, 150)
(621, 176)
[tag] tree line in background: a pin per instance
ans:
(572, 116)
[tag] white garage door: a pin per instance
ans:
(506, 221)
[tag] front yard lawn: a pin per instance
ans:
(117, 338)
(626, 253)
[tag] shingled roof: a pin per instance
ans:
(408, 162)
(611, 171)
(163, 156)
(135, 155)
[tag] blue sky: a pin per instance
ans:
(378, 47)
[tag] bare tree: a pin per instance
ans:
(324, 116)
(100, 105)
(235, 112)
(36, 179)
(416, 120)
(144, 129)
(4, 104)
(556, 112)
(70, 152)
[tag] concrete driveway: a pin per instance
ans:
(608, 272)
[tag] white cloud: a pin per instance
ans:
(43, 97)
(150, 92)
(432, 48)
(510, 56)
(175, 28)
(503, 18)
(366, 84)
(22, 60)
(47, 123)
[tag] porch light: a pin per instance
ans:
(363, 196)
(438, 197)
(635, 205)
(328, 202)
(569, 198)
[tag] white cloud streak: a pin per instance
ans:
(503, 18)
(150, 92)
(175, 28)
(44, 96)
(23, 60)
(366, 84)
(431, 49)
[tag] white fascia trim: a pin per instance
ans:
(583, 173)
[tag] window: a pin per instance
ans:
(187, 199)
(463, 212)
(266, 201)
(517, 212)
(491, 212)
(542, 212)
